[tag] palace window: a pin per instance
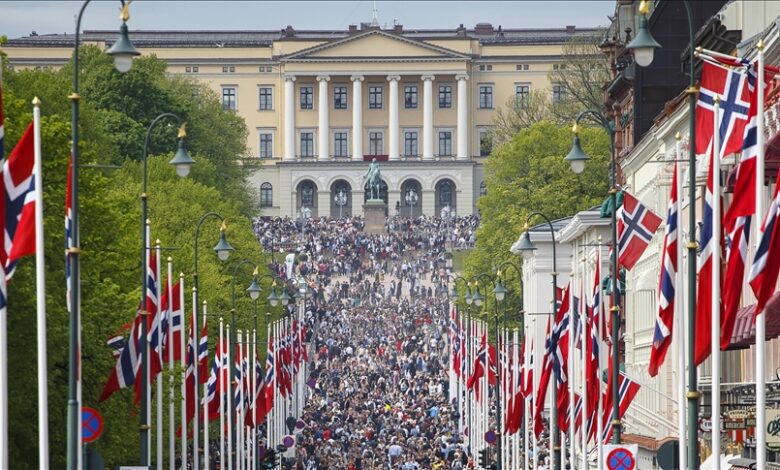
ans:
(486, 97)
(340, 145)
(266, 98)
(445, 143)
(375, 97)
(445, 96)
(340, 97)
(485, 143)
(410, 143)
(375, 143)
(410, 97)
(307, 97)
(229, 98)
(559, 93)
(266, 145)
(266, 195)
(522, 95)
(307, 144)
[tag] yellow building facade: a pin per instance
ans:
(320, 105)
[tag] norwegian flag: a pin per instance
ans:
(124, 372)
(731, 87)
(238, 380)
(627, 391)
(485, 359)
(68, 223)
(636, 226)
(203, 354)
(544, 380)
(175, 315)
(190, 373)
(17, 207)
(592, 371)
(116, 342)
(270, 372)
(664, 320)
(216, 384)
(455, 342)
(766, 263)
(706, 263)
(151, 320)
(558, 343)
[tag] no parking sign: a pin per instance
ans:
(621, 457)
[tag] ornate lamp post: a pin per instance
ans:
(123, 60)
(341, 200)
(182, 160)
(411, 199)
(525, 246)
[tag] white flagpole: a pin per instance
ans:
(715, 300)
(570, 364)
(221, 382)
(600, 417)
(526, 410)
(584, 356)
(206, 464)
(679, 320)
(171, 407)
(196, 363)
(147, 351)
(255, 386)
(230, 400)
(183, 359)
(518, 383)
(159, 392)
(760, 316)
(240, 414)
(40, 293)
(269, 419)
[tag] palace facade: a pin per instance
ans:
(319, 105)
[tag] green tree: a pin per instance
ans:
(528, 174)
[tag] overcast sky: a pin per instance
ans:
(19, 18)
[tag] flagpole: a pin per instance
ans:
(195, 365)
(146, 388)
(680, 318)
(230, 403)
(570, 361)
(220, 384)
(183, 359)
(253, 449)
(599, 326)
(715, 299)
(206, 464)
(40, 294)
(171, 406)
(760, 317)
(159, 420)
(583, 373)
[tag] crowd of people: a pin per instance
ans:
(378, 397)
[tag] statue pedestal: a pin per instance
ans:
(374, 214)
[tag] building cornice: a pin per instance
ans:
(580, 223)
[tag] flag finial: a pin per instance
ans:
(36, 102)
(124, 12)
(182, 131)
(170, 258)
(678, 136)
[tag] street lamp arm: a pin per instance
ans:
(233, 279)
(599, 118)
(203, 218)
(552, 234)
(146, 143)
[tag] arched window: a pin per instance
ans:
(307, 194)
(266, 195)
(445, 193)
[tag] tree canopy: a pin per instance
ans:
(115, 112)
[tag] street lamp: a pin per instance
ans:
(123, 50)
(341, 200)
(145, 379)
(526, 246)
(222, 250)
(644, 46)
(411, 199)
(74, 250)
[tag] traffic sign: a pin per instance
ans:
(91, 424)
(490, 437)
(621, 457)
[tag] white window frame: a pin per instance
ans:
(416, 95)
(262, 87)
(333, 140)
(300, 97)
(452, 96)
(346, 96)
(438, 141)
(313, 133)
(265, 131)
(381, 96)
(492, 95)
(235, 96)
(416, 130)
(382, 133)
(528, 95)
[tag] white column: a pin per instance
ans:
(428, 116)
(357, 117)
(324, 151)
(289, 117)
(463, 120)
(393, 123)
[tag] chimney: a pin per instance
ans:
(289, 31)
(483, 29)
(461, 31)
(353, 29)
(570, 29)
(399, 28)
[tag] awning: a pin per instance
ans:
(744, 334)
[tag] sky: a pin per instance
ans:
(20, 18)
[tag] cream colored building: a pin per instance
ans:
(319, 105)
